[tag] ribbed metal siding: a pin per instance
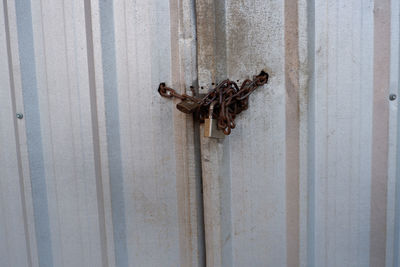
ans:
(100, 171)
(307, 178)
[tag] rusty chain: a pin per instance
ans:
(229, 97)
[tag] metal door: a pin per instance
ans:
(309, 176)
(100, 171)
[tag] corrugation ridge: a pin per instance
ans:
(380, 124)
(113, 130)
(396, 246)
(311, 135)
(13, 103)
(34, 135)
(95, 131)
(292, 132)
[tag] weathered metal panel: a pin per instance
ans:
(308, 176)
(101, 171)
(14, 248)
(257, 146)
(393, 212)
(343, 94)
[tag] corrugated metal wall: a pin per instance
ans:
(308, 176)
(102, 171)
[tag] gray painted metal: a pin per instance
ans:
(102, 171)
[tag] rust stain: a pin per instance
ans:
(380, 132)
(292, 66)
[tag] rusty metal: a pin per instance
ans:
(229, 99)
(188, 106)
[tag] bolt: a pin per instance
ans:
(20, 116)
(392, 97)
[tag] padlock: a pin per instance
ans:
(187, 106)
(211, 125)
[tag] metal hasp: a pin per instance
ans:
(223, 103)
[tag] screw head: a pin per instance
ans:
(392, 97)
(19, 115)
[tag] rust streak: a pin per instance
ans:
(379, 172)
(292, 131)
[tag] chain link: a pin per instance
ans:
(230, 100)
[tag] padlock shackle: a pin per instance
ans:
(211, 109)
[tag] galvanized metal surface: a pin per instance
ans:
(308, 178)
(101, 171)
(95, 173)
